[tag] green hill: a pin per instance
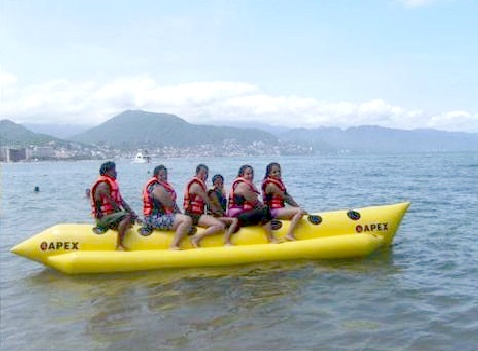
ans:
(16, 135)
(140, 129)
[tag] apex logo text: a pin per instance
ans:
(373, 227)
(66, 245)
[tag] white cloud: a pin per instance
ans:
(216, 102)
(454, 121)
(6, 79)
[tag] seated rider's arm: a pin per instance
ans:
(103, 192)
(249, 195)
(274, 189)
(176, 208)
(128, 208)
(290, 200)
(197, 190)
(164, 197)
(217, 208)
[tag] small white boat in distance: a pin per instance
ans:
(141, 157)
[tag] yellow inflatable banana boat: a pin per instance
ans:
(77, 248)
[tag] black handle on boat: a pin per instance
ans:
(314, 219)
(353, 215)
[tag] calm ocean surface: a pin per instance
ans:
(420, 295)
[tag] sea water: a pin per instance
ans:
(422, 294)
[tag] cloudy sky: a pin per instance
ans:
(404, 64)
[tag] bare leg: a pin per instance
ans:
(213, 226)
(293, 224)
(233, 223)
(123, 227)
(182, 224)
(293, 213)
(270, 237)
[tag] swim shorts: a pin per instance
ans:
(195, 217)
(258, 215)
(275, 212)
(111, 221)
(163, 222)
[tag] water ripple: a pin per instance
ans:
(421, 294)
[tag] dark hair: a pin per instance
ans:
(217, 176)
(242, 169)
(106, 167)
(158, 169)
(201, 165)
(269, 168)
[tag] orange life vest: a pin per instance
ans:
(247, 205)
(152, 206)
(273, 200)
(105, 206)
(193, 203)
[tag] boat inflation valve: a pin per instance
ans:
(276, 224)
(99, 230)
(314, 219)
(145, 231)
(353, 215)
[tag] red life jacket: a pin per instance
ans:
(247, 205)
(193, 203)
(105, 207)
(273, 200)
(152, 206)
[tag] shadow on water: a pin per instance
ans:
(381, 260)
(185, 308)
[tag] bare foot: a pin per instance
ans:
(175, 247)
(120, 248)
(290, 237)
(228, 244)
(194, 240)
(275, 241)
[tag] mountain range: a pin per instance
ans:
(141, 129)
(381, 139)
(61, 131)
(17, 135)
(134, 129)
